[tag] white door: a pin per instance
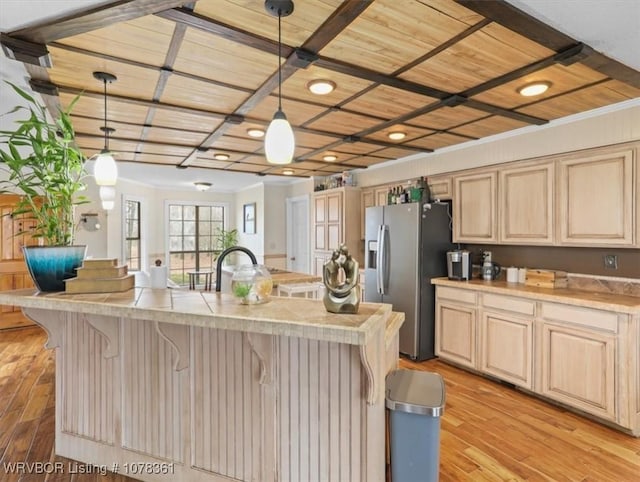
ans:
(298, 234)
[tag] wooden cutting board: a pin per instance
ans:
(543, 278)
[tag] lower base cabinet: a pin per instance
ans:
(456, 333)
(578, 368)
(584, 358)
(506, 348)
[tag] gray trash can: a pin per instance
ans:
(416, 403)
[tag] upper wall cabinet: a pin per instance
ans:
(596, 198)
(475, 216)
(526, 204)
(440, 187)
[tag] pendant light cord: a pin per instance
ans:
(106, 131)
(279, 61)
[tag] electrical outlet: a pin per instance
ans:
(611, 261)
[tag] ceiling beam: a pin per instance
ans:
(528, 26)
(93, 19)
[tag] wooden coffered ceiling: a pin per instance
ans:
(193, 77)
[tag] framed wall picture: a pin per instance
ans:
(249, 218)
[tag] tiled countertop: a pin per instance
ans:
(298, 317)
(604, 301)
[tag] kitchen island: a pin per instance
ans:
(202, 388)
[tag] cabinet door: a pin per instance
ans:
(456, 333)
(382, 196)
(319, 259)
(440, 187)
(475, 218)
(320, 209)
(526, 204)
(578, 369)
(506, 348)
(334, 207)
(596, 199)
(367, 199)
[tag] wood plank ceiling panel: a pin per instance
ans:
(76, 71)
(366, 161)
(389, 34)
(239, 144)
(436, 141)
(91, 142)
(94, 107)
(201, 95)
(144, 39)
(343, 123)
(158, 159)
(393, 153)
(355, 148)
(248, 167)
(84, 125)
(579, 101)
(250, 15)
(487, 53)
(447, 117)
(562, 78)
(309, 139)
(217, 58)
(177, 136)
(346, 86)
(180, 120)
(210, 163)
(410, 131)
(297, 112)
(388, 102)
(488, 126)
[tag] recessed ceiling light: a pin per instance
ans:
(397, 135)
(321, 86)
(330, 158)
(287, 172)
(221, 157)
(255, 132)
(534, 88)
(202, 186)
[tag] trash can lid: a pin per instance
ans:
(414, 391)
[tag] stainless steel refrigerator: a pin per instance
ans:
(405, 246)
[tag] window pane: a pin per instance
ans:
(204, 228)
(175, 212)
(175, 228)
(189, 243)
(204, 213)
(217, 213)
(204, 243)
(206, 261)
(175, 243)
(190, 212)
(189, 227)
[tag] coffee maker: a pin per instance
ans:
(459, 265)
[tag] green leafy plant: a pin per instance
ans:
(43, 165)
(242, 290)
(226, 239)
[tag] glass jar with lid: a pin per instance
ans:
(251, 284)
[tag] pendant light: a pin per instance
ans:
(105, 169)
(279, 142)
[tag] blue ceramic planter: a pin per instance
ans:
(49, 266)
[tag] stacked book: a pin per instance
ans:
(101, 275)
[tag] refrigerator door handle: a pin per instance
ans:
(382, 258)
(379, 261)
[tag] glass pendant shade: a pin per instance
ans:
(108, 197)
(279, 142)
(105, 169)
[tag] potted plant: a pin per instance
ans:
(226, 239)
(42, 164)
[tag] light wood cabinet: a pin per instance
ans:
(526, 205)
(506, 338)
(381, 195)
(585, 358)
(336, 221)
(578, 368)
(440, 187)
(475, 214)
(596, 198)
(367, 199)
(455, 330)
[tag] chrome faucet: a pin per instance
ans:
(224, 255)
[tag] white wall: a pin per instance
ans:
(568, 134)
(254, 242)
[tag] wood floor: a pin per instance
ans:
(489, 431)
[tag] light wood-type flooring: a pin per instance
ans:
(489, 431)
